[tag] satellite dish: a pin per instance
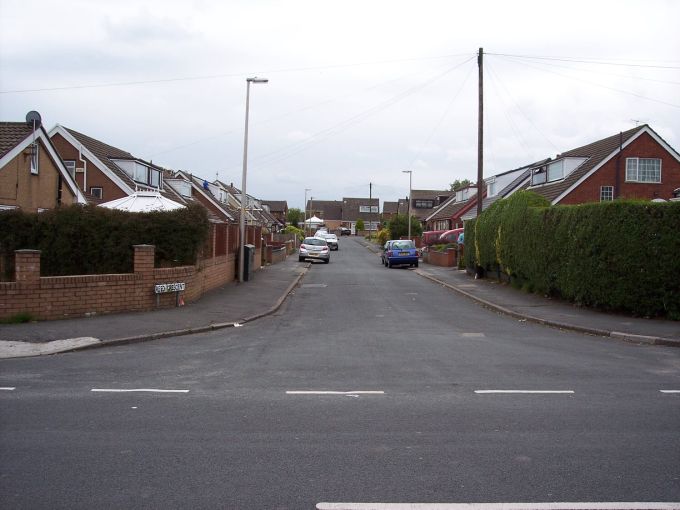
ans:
(33, 119)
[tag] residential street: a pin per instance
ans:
(368, 385)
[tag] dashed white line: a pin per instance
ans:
(548, 392)
(313, 392)
(137, 390)
(7, 388)
(669, 391)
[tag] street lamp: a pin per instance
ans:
(242, 222)
(410, 175)
(305, 223)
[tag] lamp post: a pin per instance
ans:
(305, 223)
(410, 175)
(242, 222)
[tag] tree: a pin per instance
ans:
(458, 184)
(398, 226)
(359, 225)
(294, 216)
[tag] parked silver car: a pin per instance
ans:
(314, 248)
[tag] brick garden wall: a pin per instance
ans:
(59, 297)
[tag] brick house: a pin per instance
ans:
(103, 172)
(278, 209)
(32, 175)
(635, 164)
(330, 211)
(366, 209)
(447, 215)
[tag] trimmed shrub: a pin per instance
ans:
(95, 240)
(620, 255)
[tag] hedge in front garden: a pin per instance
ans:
(95, 240)
(621, 255)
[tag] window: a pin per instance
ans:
(538, 176)
(155, 178)
(491, 188)
(556, 171)
(423, 204)
(71, 167)
(97, 192)
(643, 170)
(606, 193)
(35, 159)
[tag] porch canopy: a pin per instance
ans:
(143, 201)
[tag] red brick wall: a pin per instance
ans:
(48, 298)
(643, 147)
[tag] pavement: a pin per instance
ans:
(238, 303)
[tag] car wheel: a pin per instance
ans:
(416, 264)
(302, 259)
(389, 264)
(326, 261)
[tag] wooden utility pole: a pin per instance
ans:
(480, 133)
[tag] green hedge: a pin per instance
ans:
(95, 240)
(621, 255)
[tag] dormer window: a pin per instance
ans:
(538, 176)
(556, 170)
(141, 172)
(491, 187)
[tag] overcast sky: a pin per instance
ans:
(358, 90)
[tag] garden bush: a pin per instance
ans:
(95, 240)
(620, 255)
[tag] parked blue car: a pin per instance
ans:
(399, 252)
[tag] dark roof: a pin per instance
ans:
(390, 207)
(276, 205)
(350, 208)
(328, 209)
(450, 208)
(12, 134)
(596, 153)
(104, 153)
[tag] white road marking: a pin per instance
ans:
(500, 506)
(526, 391)
(472, 335)
(312, 392)
(669, 391)
(7, 388)
(137, 390)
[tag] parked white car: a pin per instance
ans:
(331, 239)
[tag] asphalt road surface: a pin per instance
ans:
(369, 385)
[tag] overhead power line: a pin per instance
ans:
(225, 75)
(586, 61)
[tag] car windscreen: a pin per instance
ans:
(315, 241)
(332, 237)
(402, 245)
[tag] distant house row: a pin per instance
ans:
(41, 170)
(634, 164)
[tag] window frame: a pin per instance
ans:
(35, 158)
(636, 177)
(101, 192)
(606, 193)
(417, 203)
